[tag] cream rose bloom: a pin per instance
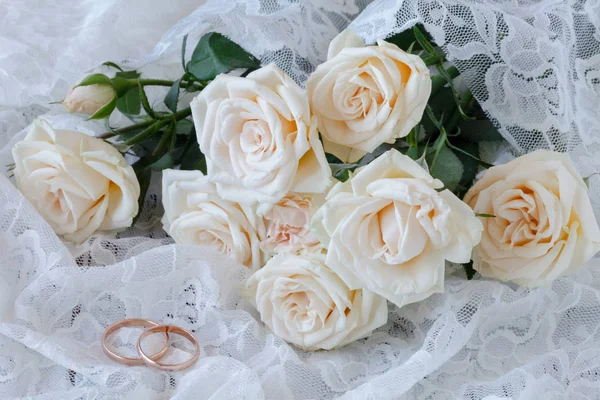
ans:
(78, 183)
(287, 223)
(196, 214)
(365, 96)
(544, 225)
(390, 230)
(88, 99)
(308, 305)
(258, 137)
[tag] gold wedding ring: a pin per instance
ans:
(127, 323)
(150, 360)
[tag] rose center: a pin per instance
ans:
(525, 215)
(213, 240)
(302, 309)
(358, 94)
(394, 233)
(256, 139)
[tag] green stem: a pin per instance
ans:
(192, 86)
(165, 138)
(438, 148)
(438, 82)
(483, 215)
(151, 130)
(432, 60)
(127, 129)
(481, 162)
(154, 82)
(456, 115)
(181, 114)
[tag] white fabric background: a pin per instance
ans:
(533, 65)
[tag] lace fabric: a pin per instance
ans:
(534, 67)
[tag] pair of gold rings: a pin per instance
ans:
(152, 360)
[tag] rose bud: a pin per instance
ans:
(89, 99)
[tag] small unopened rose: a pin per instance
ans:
(78, 183)
(390, 230)
(288, 221)
(258, 137)
(304, 302)
(196, 214)
(365, 96)
(543, 225)
(88, 99)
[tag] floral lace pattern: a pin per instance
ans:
(534, 67)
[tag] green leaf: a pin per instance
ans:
(415, 152)
(342, 171)
(438, 81)
(438, 123)
(128, 74)
(184, 127)
(450, 79)
(165, 162)
(193, 159)
(144, 174)
(129, 103)
(145, 102)
(445, 165)
(106, 110)
(173, 143)
(173, 96)
(441, 105)
(183, 51)
(190, 141)
(342, 175)
(483, 215)
(479, 130)
(215, 54)
(413, 136)
(470, 165)
(331, 159)
(473, 156)
(112, 64)
(95, 79)
(469, 270)
(406, 39)
(423, 41)
(369, 157)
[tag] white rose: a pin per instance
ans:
(307, 304)
(78, 183)
(258, 137)
(389, 230)
(544, 225)
(196, 214)
(365, 96)
(288, 221)
(88, 99)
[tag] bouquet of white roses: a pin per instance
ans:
(338, 197)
